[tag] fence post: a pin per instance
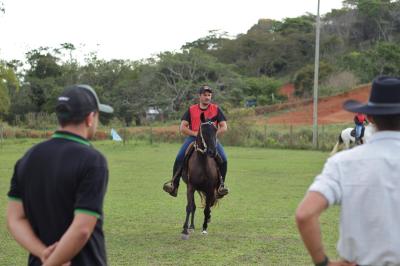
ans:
(291, 136)
(265, 135)
(1, 136)
(322, 137)
(124, 140)
(151, 134)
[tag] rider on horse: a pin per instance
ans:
(190, 127)
(359, 119)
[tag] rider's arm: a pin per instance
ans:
(222, 125)
(222, 128)
(185, 130)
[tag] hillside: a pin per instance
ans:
(330, 110)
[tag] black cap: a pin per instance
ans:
(383, 100)
(79, 100)
(204, 88)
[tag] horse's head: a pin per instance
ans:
(208, 136)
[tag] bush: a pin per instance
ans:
(304, 80)
(338, 83)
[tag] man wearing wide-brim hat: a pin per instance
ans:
(365, 182)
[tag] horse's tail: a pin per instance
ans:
(211, 197)
(336, 147)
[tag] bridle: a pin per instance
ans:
(203, 142)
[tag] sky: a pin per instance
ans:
(128, 29)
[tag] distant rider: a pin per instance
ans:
(360, 120)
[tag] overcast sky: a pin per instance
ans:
(128, 29)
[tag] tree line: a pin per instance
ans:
(358, 42)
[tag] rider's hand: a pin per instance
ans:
(194, 133)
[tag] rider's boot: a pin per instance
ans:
(171, 187)
(222, 189)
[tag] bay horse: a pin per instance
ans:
(347, 138)
(201, 174)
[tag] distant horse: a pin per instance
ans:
(347, 137)
(201, 174)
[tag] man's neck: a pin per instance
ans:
(79, 130)
(204, 106)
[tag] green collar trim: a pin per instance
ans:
(91, 213)
(14, 198)
(60, 135)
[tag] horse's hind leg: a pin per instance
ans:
(189, 209)
(191, 227)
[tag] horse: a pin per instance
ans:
(348, 139)
(201, 174)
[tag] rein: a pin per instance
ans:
(203, 142)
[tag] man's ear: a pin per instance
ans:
(89, 120)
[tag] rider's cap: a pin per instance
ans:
(384, 98)
(78, 101)
(204, 88)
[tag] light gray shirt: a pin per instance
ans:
(365, 181)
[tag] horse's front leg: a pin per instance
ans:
(189, 209)
(207, 215)
(347, 143)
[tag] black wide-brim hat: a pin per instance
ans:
(384, 98)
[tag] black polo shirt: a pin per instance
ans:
(54, 180)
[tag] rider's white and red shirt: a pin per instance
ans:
(212, 112)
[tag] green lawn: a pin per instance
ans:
(254, 225)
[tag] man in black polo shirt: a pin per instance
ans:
(57, 189)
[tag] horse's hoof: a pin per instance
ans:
(191, 230)
(204, 232)
(185, 236)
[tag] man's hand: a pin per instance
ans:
(341, 263)
(73, 240)
(47, 252)
(184, 129)
(222, 128)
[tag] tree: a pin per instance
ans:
(208, 43)
(262, 89)
(374, 18)
(304, 80)
(382, 59)
(179, 74)
(44, 78)
(9, 84)
(2, 9)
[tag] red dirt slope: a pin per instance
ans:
(330, 110)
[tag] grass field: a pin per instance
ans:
(254, 225)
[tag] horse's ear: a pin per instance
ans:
(202, 118)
